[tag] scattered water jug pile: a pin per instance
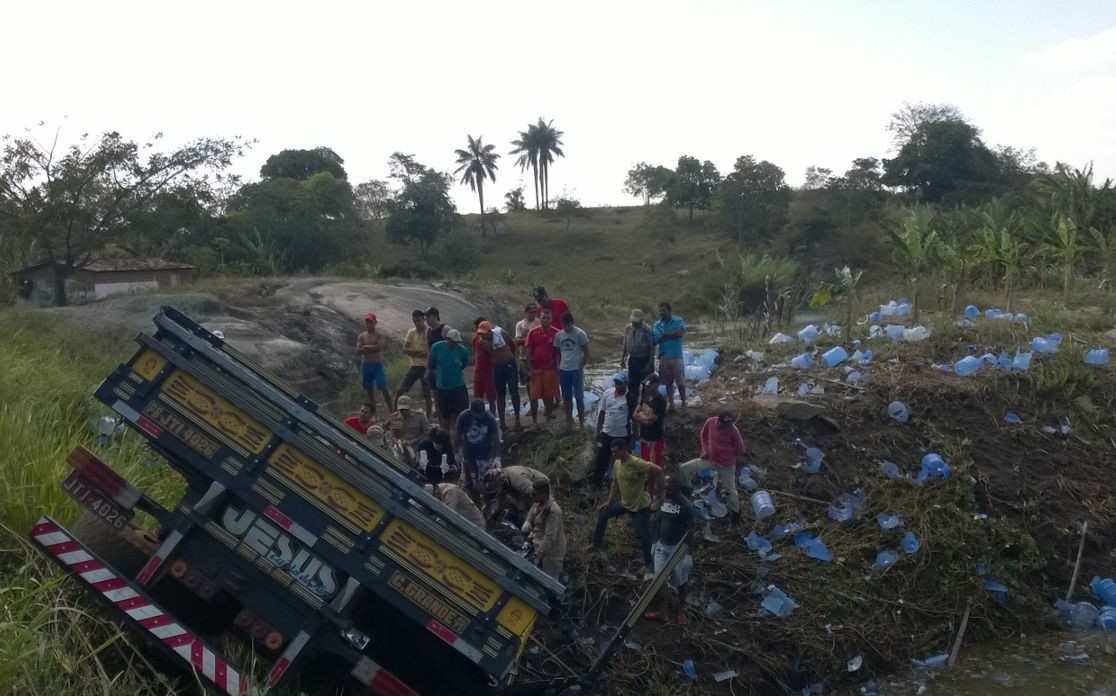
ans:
(1086, 615)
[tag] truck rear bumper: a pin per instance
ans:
(133, 605)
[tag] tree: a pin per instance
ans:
(692, 184)
(302, 164)
(753, 199)
(817, 178)
(647, 182)
(421, 209)
(567, 207)
(513, 200)
(475, 165)
(373, 198)
(945, 161)
(914, 240)
(537, 147)
(68, 202)
(911, 118)
(1001, 247)
(297, 225)
(1064, 244)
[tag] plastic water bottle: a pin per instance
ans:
(445, 464)
(1084, 615)
(967, 365)
(423, 458)
(972, 312)
(1021, 361)
(689, 669)
(1105, 588)
(771, 386)
(874, 316)
(895, 331)
(802, 361)
(889, 521)
(916, 333)
(1107, 619)
(835, 356)
(884, 559)
(1097, 356)
(890, 469)
(808, 333)
(910, 542)
(897, 410)
(762, 505)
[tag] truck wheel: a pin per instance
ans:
(125, 549)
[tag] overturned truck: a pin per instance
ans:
(315, 547)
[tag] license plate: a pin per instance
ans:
(96, 501)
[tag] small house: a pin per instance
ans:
(101, 278)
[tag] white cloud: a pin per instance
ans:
(1094, 51)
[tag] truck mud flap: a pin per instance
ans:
(144, 615)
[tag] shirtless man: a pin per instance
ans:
(370, 348)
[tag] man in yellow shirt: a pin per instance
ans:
(629, 495)
(416, 347)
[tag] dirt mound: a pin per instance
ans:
(997, 536)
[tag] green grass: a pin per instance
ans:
(51, 640)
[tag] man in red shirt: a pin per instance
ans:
(484, 375)
(722, 447)
(362, 422)
(556, 305)
(542, 356)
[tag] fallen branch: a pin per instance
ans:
(1077, 563)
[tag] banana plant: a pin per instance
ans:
(1001, 248)
(914, 240)
(1063, 243)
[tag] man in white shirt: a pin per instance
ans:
(528, 322)
(613, 422)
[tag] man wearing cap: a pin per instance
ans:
(418, 350)
(650, 415)
(628, 495)
(612, 425)
(484, 379)
(556, 305)
(547, 530)
(434, 333)
(448, 360)
(668, 332)
(370, 348)
(638, 348)
(722, 447)
(495, 344)
(408, 427)
(476, 437)
(573, 352)
(542, 356)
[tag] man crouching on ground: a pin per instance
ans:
(547, 530)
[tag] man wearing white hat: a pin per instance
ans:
(448, 360)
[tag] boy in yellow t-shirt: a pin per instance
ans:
(628, 495)
(416, 347)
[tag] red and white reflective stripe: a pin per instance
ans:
(455, 640)
(161, 555)
(288, 656)
(297, 530)
(103, 477)
(58, 542)
(380, 680)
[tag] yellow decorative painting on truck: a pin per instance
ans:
(148, 363)
(237, 426)
(432, 559)
(339, 497)
(517, 617)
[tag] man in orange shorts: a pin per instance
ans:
(542, 356)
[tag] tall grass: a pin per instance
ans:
(51, 639)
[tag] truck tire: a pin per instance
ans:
(125, 549)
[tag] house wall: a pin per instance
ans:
(84, 285)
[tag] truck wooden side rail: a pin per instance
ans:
(322, 550)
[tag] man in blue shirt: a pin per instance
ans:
(667, 334)
(476, 437)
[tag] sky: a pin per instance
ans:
(798, 83)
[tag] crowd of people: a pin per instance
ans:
(456, 441)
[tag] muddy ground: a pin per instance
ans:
(1008, 517)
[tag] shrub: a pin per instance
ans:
(414, 269)
(459, 252)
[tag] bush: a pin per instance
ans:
(459, 252)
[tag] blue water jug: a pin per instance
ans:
(1021, 361)
(1105, 588)
(895, 331)
(802, 361)
(835, 356)
(1107, 619)
(1097, 356)
(972, 312)
(967, 365)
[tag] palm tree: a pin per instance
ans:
(914, 241)
(536, 147)
(476, 164)
(549, 141)
(526, 146)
